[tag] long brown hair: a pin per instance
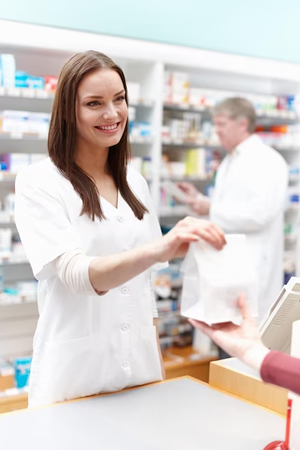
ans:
(63, 135)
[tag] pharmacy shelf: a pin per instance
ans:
(41, 100)
(188, 178)
(293, 178)
(7, 177)
(142, 103)
(290, 238)
(42, 94)
(22, 143)
(9, 299)
(174, 211)
(191, 144)
(274, 116)
(292, 209)
(10, 224)
(185, 107)
(182, 210)
(5, 262)
(26, 99)
(141, 140)
(26, 93)
(167, 316)
(214, 147)
(31, 143)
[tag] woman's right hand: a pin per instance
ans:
(176, 242)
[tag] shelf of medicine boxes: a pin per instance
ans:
(13, 261)
(26, 97)
(176, 143)
(179, 211)
(16, 142)
(273, 116)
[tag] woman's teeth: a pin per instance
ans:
(108, 127)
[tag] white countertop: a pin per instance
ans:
(173, 415)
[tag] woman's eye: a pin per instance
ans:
(120, 98)
(93, 103)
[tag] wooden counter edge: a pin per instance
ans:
(248, 388)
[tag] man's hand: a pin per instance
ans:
(194, 199)
(189, 189)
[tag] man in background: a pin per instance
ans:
(249, 194)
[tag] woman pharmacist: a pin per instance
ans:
(244, 342)
(92, 238)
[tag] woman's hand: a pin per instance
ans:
(242, 341)
(175, 244)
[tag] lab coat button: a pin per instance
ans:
(120, 218)
(125, 291)
(125, 327)
(125, 364)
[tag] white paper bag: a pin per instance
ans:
(213, 280)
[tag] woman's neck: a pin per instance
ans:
(93, 161)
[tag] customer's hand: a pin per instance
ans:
(242, 341)
(176, 242)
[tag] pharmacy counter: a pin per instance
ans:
(234, 377)
(172, 415)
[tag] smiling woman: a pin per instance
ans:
(94, 120)
(92, 237)
(101, 113)
(101, 119)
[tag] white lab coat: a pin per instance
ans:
(249, 197)
(84, 345)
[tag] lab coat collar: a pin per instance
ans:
(247, 144)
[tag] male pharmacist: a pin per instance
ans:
(249, 194)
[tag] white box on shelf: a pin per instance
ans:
(7, 70)
(179, 81)
(18, 160)
(14, 121)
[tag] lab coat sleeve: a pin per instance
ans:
(43, 225)
(73, 270)
(254, 201)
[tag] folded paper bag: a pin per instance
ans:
(213, 280)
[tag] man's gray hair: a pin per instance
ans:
(237, 108)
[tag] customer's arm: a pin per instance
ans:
(243, 341)
(282, 370)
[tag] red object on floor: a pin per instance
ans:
(276, 445)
